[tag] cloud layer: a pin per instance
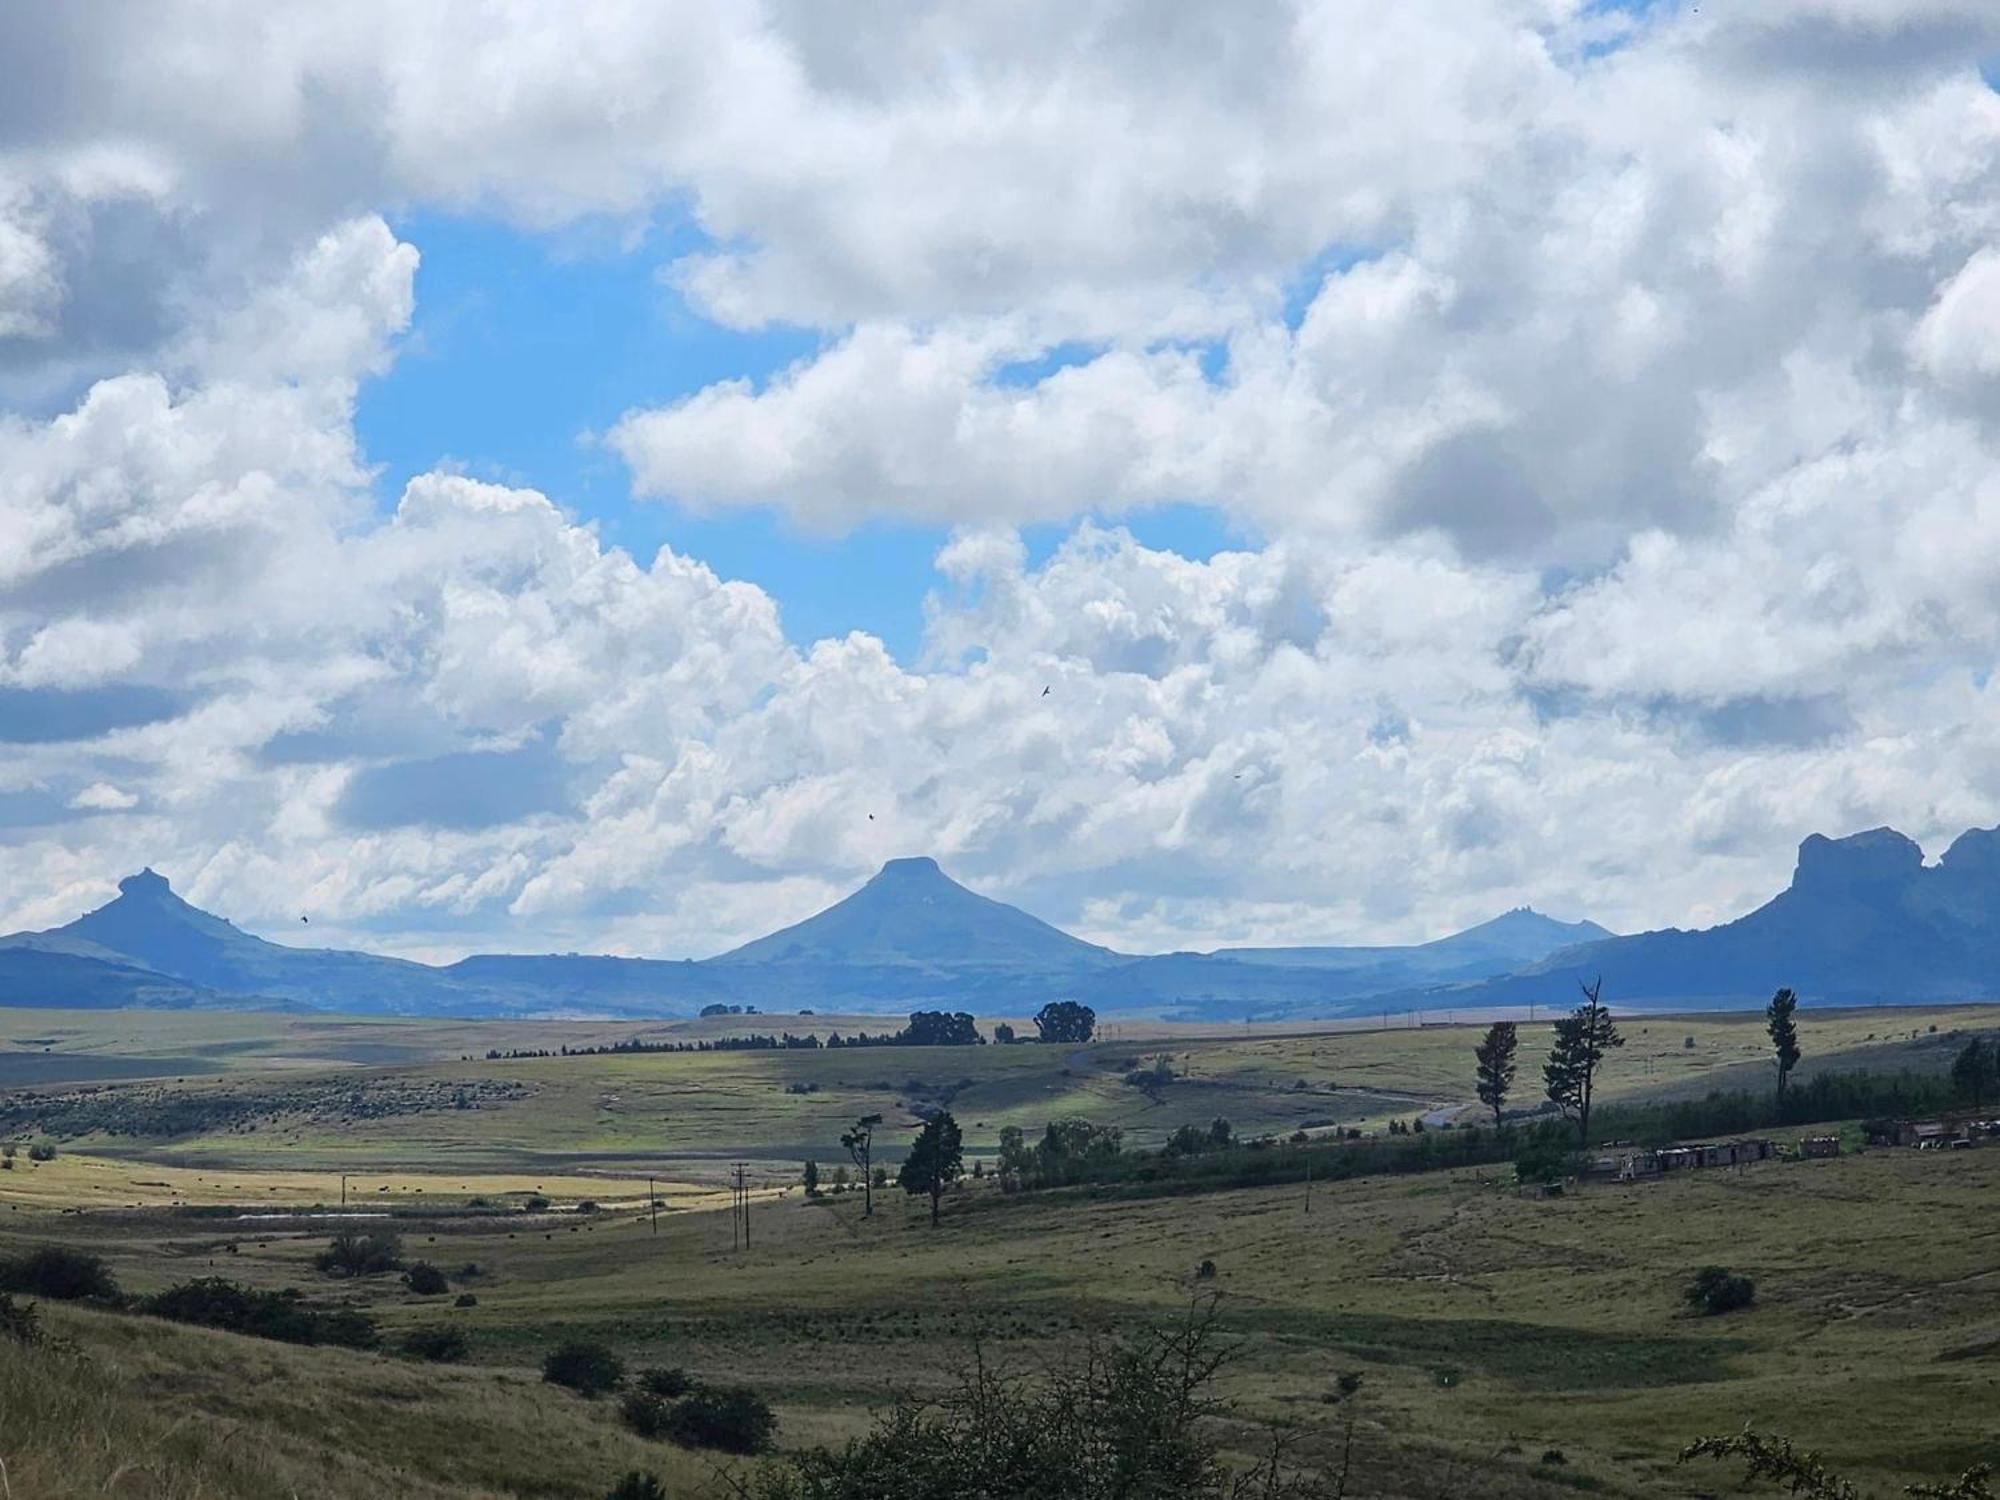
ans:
(1616, 393)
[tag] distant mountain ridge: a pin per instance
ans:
(1863, 919)
(909, 937)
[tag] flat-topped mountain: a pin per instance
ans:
(1864, 919)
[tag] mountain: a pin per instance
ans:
(913, 935)
(1505, 943)
(910, 937)
(1864, 920)
(911, 912)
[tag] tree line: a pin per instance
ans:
(1587, 1036)
(1060, 1021)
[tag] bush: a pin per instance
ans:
(1714, 1290)
(352, 1254)
(60, 1274)
(426, 1280)
(213, 1302)
(586, 1368)
(534, 1203)
(41, 1152)
(465, 1299)
(636, 1486)
(732, 1418)
(645, 1414)
(1205, 1271)
(1544, 1159)
(670, 1383)
(435, 1342)
(18, 1321)
(1134, 1418)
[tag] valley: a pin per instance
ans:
(1505, 1344)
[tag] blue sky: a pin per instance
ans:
(525, 346)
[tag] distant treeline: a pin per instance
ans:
(926, 1028)
(1078, 1153)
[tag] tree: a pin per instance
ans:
(1066, 1021)
(1784, 1034)
(860, 1144)
(1495, 1059)
(1582, 1039)
(935, 1160)
(812, 1178)
(1973, 1070)
(937, 1028)
(1003, 1033)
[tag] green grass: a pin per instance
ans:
(1487, 1327)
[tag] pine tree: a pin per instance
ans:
(1495, 1058)
(1582, 1039)
(935, 1160)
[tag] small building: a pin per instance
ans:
(1818, 1147)
(1924, 1135)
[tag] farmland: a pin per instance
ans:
(1506, 1345)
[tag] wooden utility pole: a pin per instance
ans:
(653, 1204)
(343, 1190)
(739, 1209)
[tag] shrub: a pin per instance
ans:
(534, 1203)
(1714, 1290)
(586, 1368)
(60, 1274)
(1544, 1159)
(18, 1321)
(41, 1151)
(465, 1299)
(645, 1414)
(352, 1254)
(426, 1280)
(669, 1383)
(1205, 1271)
(1133, 1418)
(435, 1342)
(213, 1302)
(636, 1486)
(732, 1418)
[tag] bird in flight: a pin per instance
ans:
(306, 920)
(1045, 692)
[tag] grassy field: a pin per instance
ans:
(1490, 1329)
(688, 1114)
(1508, 1346)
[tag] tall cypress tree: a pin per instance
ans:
(1784, 1034)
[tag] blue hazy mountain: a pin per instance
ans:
(910, 912)
(1521, 936)
(1863, 920)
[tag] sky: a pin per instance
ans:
(515, 479)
